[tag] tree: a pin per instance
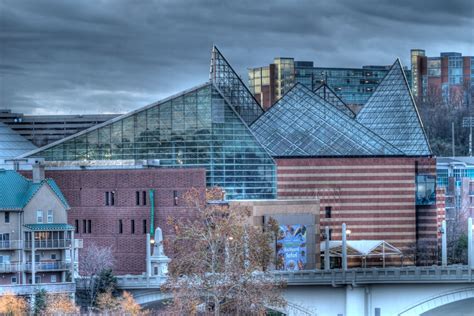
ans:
(59, 304)
(40, 301)
(219, 261)
(124, 305)
(13, 305)
(95, 261)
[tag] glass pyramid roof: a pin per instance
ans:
(232, 87)
(325, 92)
(197, 128)
(391, 113)
(301, 124)
(12, 144)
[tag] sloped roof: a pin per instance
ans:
(392, 114)
(301, 124)
(361, 248)
(12, 144)
(49, 227)
(325, 92)
(17, 190)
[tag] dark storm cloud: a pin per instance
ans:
(114, 56)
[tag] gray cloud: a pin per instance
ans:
(115, 56)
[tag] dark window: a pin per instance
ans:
(330, 234)
(328, 210)
(53, 256)
(7, 217)
(377, 311)
(112, 198)
(76, 223)
(107, 198)
(89, 226)
(84, 226)
(120, 226)
(144, 226)
(175, 197)
(137, 198)
(144, 197)
(132, 228)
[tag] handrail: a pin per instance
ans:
(11, 244)
(49, 243)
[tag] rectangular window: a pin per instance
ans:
(144, 226)
(377, 311)
(39, 217)
(84, 226)
(107, 198)
(37, 279)
(328, 210)
(14, 280)
(89, 226)
(76, 223)
(50, 216)
(120, 226)
(7, 217)
(37, 258)
(144, 197)
(330, 234)
(137, 198)
(112, 198)
(132, 228)
(175, 198)
(53, 278)
(53, 256)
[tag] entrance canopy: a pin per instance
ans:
(361, 248)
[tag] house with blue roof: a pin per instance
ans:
(37, 245)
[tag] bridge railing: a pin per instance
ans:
(434, 274)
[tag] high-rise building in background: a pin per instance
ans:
(450, 76)
(353, 85)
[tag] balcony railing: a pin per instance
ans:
(48, 266)
(10, 267)
(49, 243)
(26, 289)
(11, 244)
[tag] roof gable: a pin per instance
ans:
(391, 113)
(326, 93)
(301, 124)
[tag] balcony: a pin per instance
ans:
(48, 266)
(27, 289)
(10, 267)
(11, 244)
(49, 244)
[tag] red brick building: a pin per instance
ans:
(112, 207)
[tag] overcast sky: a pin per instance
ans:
(104, 56)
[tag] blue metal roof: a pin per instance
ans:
(16, 191)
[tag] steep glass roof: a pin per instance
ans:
(325, 92)
(197, 128)
(301, 124)
(232, 87)
(391, 113)
(12, 144)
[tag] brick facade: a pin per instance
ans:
(86, 190)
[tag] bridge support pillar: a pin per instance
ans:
(355, 301)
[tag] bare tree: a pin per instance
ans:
(94, 260)
(220, 262)
(60, 304)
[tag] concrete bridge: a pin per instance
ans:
(366, 292)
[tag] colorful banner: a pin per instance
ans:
(291, 247)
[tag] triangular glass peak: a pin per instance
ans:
(391, 113)
(231, 86)
(301, 124)
(325, 92)
(195, 129)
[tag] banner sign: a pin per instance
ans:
(291, 247)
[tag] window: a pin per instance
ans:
(53, 256)
(144, 226)
(39, 217)
(328, 210)
(7, 217)
(110, 198)
(53, 278)
(89, 226)
(50, 216)
(84, 226)
(377, 311)
(14, 280)
(175, 197)
(330, 234)
(132, 228)
(425, 190)
(4, 259)
(5, 240)
(120, 226)
(144, 197)
(37, 258)
(76, 223)
(137, 198)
